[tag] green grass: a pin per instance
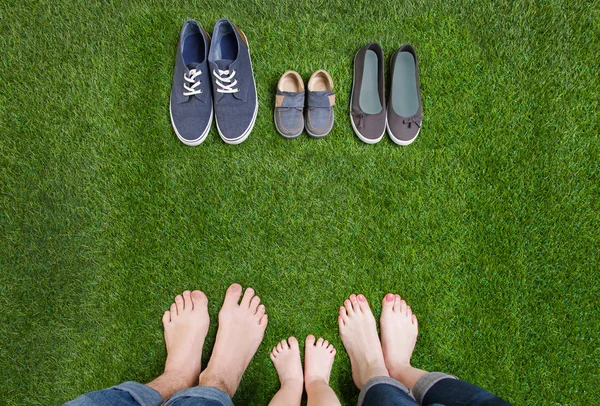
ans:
(488, 224)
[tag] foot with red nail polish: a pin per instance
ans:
(358, 330)
(399, 330)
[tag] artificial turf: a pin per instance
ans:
(487, 224)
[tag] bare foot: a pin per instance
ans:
(318, 360)
(286, 358)
(399, 330)
(186, 325)
(241, 330)
(358, 330)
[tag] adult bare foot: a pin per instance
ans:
(358, 330)
(241, 330)
(286, 358)
(318, 360)
(399, 330)
(186, 326)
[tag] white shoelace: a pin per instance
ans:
(191, 78)
(224, 81)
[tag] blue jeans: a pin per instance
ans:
(136, 394)
(432, 389)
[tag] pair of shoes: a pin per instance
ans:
(368, 112)
(290, 119)
(213, 77)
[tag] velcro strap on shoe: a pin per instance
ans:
(320, 99)
(289, 99)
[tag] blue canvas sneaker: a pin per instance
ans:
(234, 90)
(191, 104)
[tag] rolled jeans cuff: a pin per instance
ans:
(202, 392)
(142, 394)
(426, 382)
(377, 381)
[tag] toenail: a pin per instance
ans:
(389, 297)
(236, 287)
(361, 298)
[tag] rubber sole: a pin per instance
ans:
(197, 141)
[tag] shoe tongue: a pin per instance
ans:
(191, 66)
(223, 64)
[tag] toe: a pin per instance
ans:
(388, 302)
(330, 347)
(320, 342)
(341, 322)
(285, 345)
(232, 296)
(260, 311)
(363, 304)
(280, 346)
(348, 306)
(403, 307)
(325, 343)
(272, 356)
(187, 301)
(179, 303)
(343, 313)
(415, 321)
(254, 303)
(173, 310)
(166, 317)
(264, 320)
(248, 295)
(354, 302)
(310, 340)
(199, 299)
(333, 351)
(397, 303)
(293, 343)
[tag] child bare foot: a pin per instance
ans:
(286, 358)
(241, 330)
(318, 360)
(186, 325)
(399, 330)
(358, 330)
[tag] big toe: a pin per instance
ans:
(293, 343)
(310, 340)
(388, 303)
(232, 296)
(199, 300)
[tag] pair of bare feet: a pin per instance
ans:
(370, 357)
(186, 325)
(318, 360)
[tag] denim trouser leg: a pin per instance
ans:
(200, 396)
(383, 390)
(438, 388)
(136, 394)
(125, 394)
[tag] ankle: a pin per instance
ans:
(314, 382)
(292, 383)
(214, 380)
